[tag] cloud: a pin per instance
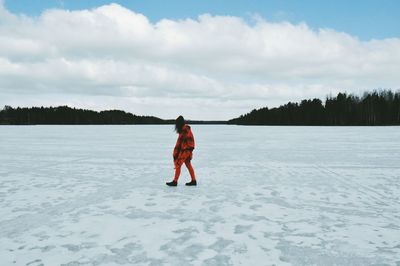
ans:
(212, 67)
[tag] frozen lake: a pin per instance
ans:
(96, 195)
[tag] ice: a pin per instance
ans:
(96, 195)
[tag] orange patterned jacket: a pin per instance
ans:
(184, 143)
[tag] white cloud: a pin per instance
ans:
(213, 67)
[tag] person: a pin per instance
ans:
(183, 152)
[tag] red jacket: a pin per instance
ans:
(185, 141)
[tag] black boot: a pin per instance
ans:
(172, 183)
(192, 183)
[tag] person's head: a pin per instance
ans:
(179, 123)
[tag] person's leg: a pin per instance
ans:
(191, 170)
(177, 173)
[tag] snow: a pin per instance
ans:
(96, 195)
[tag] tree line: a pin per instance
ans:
(64, 115)
(373, 108)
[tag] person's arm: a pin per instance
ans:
(177, 148)
(187, 140)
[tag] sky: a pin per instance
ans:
(209, 59)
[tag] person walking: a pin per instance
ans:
(183, 152)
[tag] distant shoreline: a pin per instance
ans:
(155, 124)
(64, 115)
(205, 124)
(376, 108)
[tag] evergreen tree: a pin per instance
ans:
(373, 108)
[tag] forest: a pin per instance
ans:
(373, 108)
(64, 115)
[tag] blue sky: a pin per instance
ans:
(366, 19)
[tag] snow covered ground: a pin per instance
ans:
(96, 195)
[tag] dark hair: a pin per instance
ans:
(179, 122)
